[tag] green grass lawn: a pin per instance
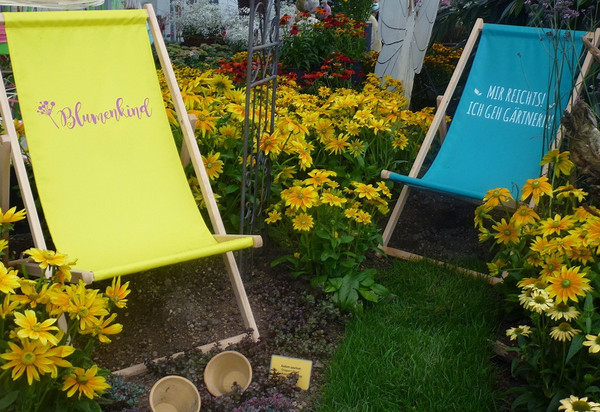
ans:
(426, 349)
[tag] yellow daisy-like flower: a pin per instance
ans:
(30, 328)
(552, 265)
(565, 192)
(593, 341)
(287, 173)
(269, 144)
(11, 215)
(555, 225)
(540, 301)
(497, 196)
(575, 404)
(9, 279)
(86, 306)
(30, 358)
(521, 330)
(104, 328)
(568, 284)
(357, 147)
(536, 188)
(524, 215)
(400, 141)
(382, 187)
(560, 311)
(540, 245)
(337, 145)
(562, 164)
(117, 293)
(506, 232)
(331, 199)
(363, 217)
(564, 332)
(213, 166)
(298, 197)
(318, 177)
(48, 258)
(85, 382)
(303, 222)
(205, 122)
(8, 306)
(481, 214)
(30, 295)
(274, 216)
(366, 191)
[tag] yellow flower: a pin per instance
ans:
(357, 148)
(481, 213)
(574, 404)
(270, 144)
(497, 196)
(506, 232)
(8, 306)
(337, 145)
(561, 310)
(561, 161)
(9, 279)
(30, 328)
(31, 359)
(104, 328)
(213, 166)
(204, 121)
(536, 188)
(593, 341)
(86, 306)
(365, 191)
(382, 187)
(540, 245)
(31, 296)
(298, 197)
(564, 192)
(117, 292)
(274, 216)
(521, 330)
(285, 174)
(568, 284)
(555, 225)
(540, 301)
(332, 199)
(318, 177)
(524, 215)
(363, 217)
(552, 265)
(303, 222)
(11, 215)
(49, 258)
(564, 332)
(85, 382)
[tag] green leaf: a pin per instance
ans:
(329, 255)
(576, 345)
(8, 399)
(369, 295)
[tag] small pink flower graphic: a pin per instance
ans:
(46, 108)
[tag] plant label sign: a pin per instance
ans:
(285, 365)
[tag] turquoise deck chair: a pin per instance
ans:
(507, 117)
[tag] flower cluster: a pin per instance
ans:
(307, 46)
(42, 367)
(548, 247)
(330, 228)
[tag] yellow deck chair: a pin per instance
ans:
(109, 177)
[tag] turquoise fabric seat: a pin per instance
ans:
(508, 113)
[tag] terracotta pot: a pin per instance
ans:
(226, 369)
(174, 394)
